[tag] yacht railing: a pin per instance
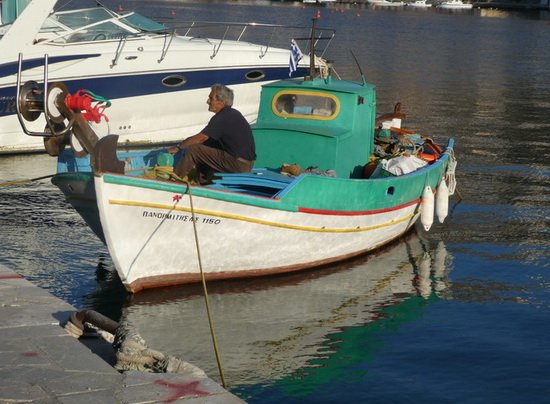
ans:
(265, 35)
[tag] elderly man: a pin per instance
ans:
(224, 145)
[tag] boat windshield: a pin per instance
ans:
(305, 104)
(96, 24)
(143, 23)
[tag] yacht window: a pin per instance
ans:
(174, 80)
(80, 18)
(142, 23)
(100, 32)
(254, 75)
(96, 24)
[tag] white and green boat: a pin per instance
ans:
(159, 232)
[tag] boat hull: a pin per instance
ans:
(162, 233)
(235, 240)
(149, 261)
(79, 191)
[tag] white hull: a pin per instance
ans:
(419, 4)
(455, 5)
(235, 239)
(385, 3)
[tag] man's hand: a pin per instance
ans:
(195, 139)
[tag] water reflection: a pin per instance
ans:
(109, 296)
(42, 237)
(269, 328)
(431, 272)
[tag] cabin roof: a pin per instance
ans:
(342, 86)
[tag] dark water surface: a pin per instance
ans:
(459, 314)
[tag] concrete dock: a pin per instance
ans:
(40, 362)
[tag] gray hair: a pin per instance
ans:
(223, 94)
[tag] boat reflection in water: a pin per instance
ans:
(269, 329)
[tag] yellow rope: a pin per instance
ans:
(210, 321)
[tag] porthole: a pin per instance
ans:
(255, 75)
(305, 105)
(174, 80)
(390, 191)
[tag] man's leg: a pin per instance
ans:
(219, 160)
(193, 156)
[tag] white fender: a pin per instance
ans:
(442, 201)
(427, 208)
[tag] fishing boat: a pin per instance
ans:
(331, 181)
(455, 5)
(142, 66)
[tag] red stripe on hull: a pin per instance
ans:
(356, 213)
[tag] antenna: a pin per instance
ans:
(359, 67)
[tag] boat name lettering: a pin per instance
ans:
(179, 217)
(7, 104)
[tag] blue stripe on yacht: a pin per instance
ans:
(134, 85)
(7, 69)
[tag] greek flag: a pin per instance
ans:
(295, 56)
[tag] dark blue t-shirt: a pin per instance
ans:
(232, 133)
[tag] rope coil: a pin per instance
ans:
(82, 101)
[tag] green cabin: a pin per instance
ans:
(316, 123)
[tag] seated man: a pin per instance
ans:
(224, 145)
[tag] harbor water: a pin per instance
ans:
(457, 314)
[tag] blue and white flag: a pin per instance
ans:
(295, 56)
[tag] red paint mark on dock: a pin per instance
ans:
(181, 389)
(11, 276)
(29, 354)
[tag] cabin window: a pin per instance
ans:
(305, 104)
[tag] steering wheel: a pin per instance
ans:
(99, 37)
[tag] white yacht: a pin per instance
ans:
(419, 4)
(386, 3)
(455, 5)
(141, 66)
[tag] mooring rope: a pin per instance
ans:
(18, 182)
(208, 312)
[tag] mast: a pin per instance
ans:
(312, 50)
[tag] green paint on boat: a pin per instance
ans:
(322, 123)
(331, 126)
